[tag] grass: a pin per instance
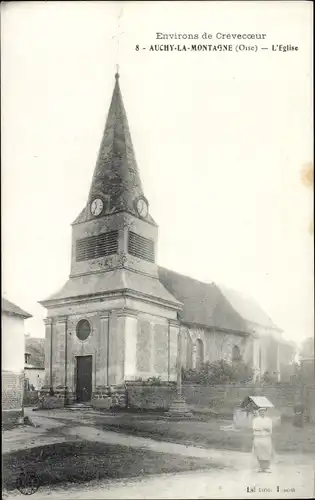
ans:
(84, 461)
(286, 437)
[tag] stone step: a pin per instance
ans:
(179, 409)
(79, 406)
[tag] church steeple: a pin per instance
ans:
(116, 180)
(114, 239)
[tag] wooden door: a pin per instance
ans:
(84, 378)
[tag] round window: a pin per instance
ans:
(83, 329)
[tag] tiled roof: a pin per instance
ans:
(14, 310)
(214, 306)
(247, 307)
(204, 304)
(116, 178)
(36, 348)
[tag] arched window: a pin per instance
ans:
(236, 353)
(199, 354)
(189, 352)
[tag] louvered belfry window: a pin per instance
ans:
(97, 246)
(141, 247)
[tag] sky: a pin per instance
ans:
(222, 141)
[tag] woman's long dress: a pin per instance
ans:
(262, 444)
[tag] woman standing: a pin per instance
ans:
(262, 444)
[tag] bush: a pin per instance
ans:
(219, 372)
(155, 381)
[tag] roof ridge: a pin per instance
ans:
(11, 308)
(217, 304)
(186, 276)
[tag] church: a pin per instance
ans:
(120, 317)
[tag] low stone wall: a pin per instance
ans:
(103, 397)
(11, 418)
(146, 396)
(12, 398)
(31, 398)
(58, 398)
(12, 390)
(219, 399)
(224, 399)
(109, 397)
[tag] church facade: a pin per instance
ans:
(120, 317)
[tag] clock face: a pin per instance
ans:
(142, 207)
(97, 206)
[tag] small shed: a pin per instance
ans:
(254, 403)
(243, 415)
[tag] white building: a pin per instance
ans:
(12, 359)
(34, 368)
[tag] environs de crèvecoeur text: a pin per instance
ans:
(209, 36)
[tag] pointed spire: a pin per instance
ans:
(116, 178)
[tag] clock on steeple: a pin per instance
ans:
(115, 229)
(142, 207)
(96, 206)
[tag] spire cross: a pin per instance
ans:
(117, 37)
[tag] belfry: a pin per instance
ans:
(113, 320)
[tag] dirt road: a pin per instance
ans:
(292, 476)
(214, 484)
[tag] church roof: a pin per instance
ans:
(116, 178)
(10, 308)
(202, 304)
(214, 306)
(113, 282)
(247, 307)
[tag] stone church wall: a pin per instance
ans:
(216, 345)
(77, 347)
(66, 347)
(156, 348)
(125, 344)
(260, 353)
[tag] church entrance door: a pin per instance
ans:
(84, 378)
